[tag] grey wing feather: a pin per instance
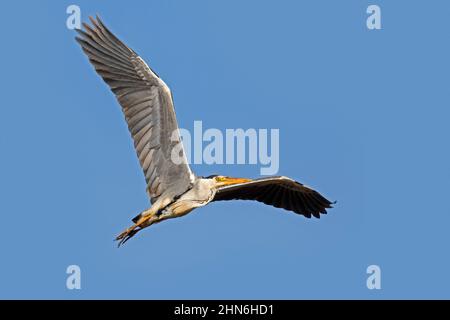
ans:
(280, 192)
(148, 108)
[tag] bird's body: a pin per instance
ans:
(174, 190)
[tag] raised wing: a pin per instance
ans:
(148, 108)
(280, 192)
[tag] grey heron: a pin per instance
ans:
(174, 190)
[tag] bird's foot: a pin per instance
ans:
(142, 223)
(127, 235)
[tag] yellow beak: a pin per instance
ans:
(226, 181)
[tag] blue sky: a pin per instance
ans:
(363, 117)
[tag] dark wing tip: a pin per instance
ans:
(99, 20)
(318, 204)
(81, 32)
(330, 205)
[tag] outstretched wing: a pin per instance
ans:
(148, 107)
(280, 192)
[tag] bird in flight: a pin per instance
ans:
(174, 190)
